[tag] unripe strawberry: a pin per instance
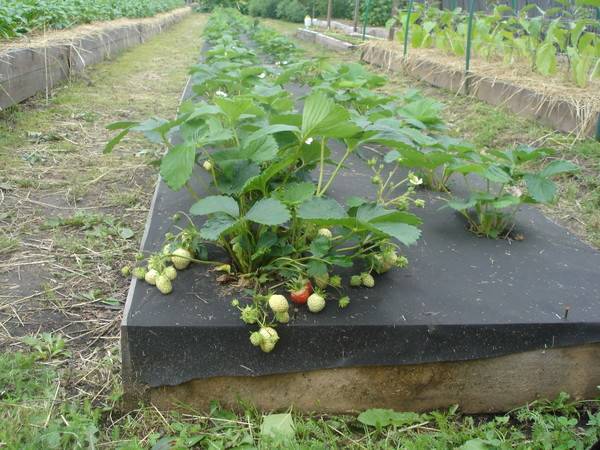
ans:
(325, 232)
(164, 284)
(335, 281)
(282, 317)
(269, 338)
(170, 272)
(355, 280)
(207, 165)
(315, 303)
(181, 258)
(390, 257)
(278, 303)
(322, 280)
(367, 280)
(256, 338)
(151, 276)
(139, 272)
(344, 301)
(125, 271)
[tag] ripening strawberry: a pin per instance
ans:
(164, 284)
(325, 232)
(181, 258)
(315, 303)
(300, 290)
(278, 303)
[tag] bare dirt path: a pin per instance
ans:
(71, 217)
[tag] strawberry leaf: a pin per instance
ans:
(215, 204)
(268, 211)
(177, 165)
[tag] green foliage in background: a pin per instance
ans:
(380, 12)
(18, 17)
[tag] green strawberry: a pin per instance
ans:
(256, 338)
(164, 284)
(344, 301)
(355, 281)
(322, 280)
(269, 339)
(151, 276)
(367, 280)
(282, 317)
(139, 272)
(170, 272)
(181, 258)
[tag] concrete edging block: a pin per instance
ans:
(26, 71)
(555, 113)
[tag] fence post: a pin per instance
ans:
(515, 6)
(406, 26)
(329, 8)
(356, 10)
(469, 38)
(366, 21)
(452, 5)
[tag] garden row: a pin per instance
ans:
(565, 45)
(18, 17)
(265, 196)
(26, 71)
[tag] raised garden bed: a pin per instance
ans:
(29, 68)
(489, 324)
(322, 39)
(553, 111)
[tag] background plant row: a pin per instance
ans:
(18, 17)
(545, 43)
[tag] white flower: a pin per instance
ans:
(262, 75)
(284, 63)
(514, 190)
(414, 180)
(221, 94)
(277, 63)
(308, 141)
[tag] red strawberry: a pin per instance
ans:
(300, 291)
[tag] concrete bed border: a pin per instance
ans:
(555, 113)
(24, 72)
(479, 386)
(329, 42)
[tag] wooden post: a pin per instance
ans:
(393, 26)
(329, 8)
(356, 11)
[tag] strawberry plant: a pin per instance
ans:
(261, 171)
(264, 195)
(498, 183)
